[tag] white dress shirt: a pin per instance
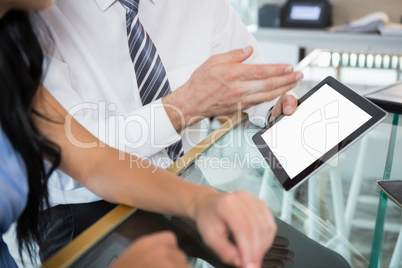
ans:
(91, 73)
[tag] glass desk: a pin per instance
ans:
(228, 160)
(337, 218)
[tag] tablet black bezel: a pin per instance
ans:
(376, 113)
(391, 188)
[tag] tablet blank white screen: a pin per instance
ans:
(318, 124)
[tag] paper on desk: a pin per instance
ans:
(367, 24)
(391, 29)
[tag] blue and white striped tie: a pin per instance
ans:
(151, 75)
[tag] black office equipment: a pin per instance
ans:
(306, 14)
(269, 15)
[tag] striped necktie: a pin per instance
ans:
(151, 75)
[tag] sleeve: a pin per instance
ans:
(143, 132)
(230, 33)
(75, 79)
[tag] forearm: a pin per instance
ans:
(121, 181)
(110, 173)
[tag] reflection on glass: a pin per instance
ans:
(335, 60)
(345, 59)
(394, 64)
(378, 61)
(386, 61)
(353, 60)
(361, 71)
(362, 60)
(400, 63)
(324, 60)
(370, 60)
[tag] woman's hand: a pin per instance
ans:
(242, 216)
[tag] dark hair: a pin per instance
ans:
(21, 59)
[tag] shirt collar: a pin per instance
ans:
(105, 4)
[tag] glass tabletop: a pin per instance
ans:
(317, 208)
(366, 73)
(311, 218)
(330, 220)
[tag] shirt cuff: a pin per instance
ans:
(259, 114)
(149, 130)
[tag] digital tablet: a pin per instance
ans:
(393, 189)
(328, 119)
(389, 98)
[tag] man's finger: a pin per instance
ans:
(259, 97)
(286, 105)
(220, 244)
(234, 56)
(278, 108)
(289, 104)
(267, 85)
(260, 71)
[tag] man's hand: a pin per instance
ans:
(286, 105)
(224, 85)
(241, 216)
(156, 250)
